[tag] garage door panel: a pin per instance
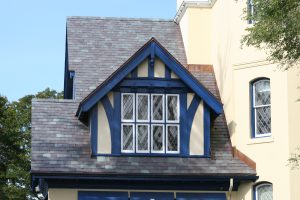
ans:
(102, 195)
(151, 196)
(202, 196)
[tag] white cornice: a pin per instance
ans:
(192, 4)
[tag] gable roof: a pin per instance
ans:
(151, 49)
(61, 144)
(101, 45)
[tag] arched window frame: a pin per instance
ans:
(253, 108)
(259, 185)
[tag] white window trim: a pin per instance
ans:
(137, 139)
(178, 136)
(261, 185)
(178, 109)
(133, 107)
(133, 138)
(163, 135)
(260, 106)
(136, 100)
(163, 108)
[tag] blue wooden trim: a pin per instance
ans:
(170, 61)
(152, 90)
(200, 196)
(151, 195)
(151, 68)
(184, 140)
(103, 195)
(206, 130)
(188, 79)
(152, 83)
(94, 129)
(134, 73)
(120, 74)
(167, 72)
(116, 122)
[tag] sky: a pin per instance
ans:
(32, 37)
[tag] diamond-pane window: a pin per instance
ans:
(127, 137)
(150, 125)
(172, 108)
(142, 133)
(127, 107)
(142, 107)
(172, 139)
(157, 113)
(262, 108)
(264, 191)
(157, 138)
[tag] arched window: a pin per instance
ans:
(263, 191)
(261, 108)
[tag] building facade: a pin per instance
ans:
(167, 109)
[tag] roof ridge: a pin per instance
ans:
(55, 100)
(119, 18)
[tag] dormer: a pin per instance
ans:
(151, 106)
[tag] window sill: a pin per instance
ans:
(260, 140)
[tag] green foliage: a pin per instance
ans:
(15, 135)
(276, 29)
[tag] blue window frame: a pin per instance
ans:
(263, 191)
(260, 93)
(150, 123)
(250, 11)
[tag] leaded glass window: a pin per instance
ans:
(127, 138)
(150, 125)
(142, 138)
(142, 107)
(264, 191)
(157, 138)
(172, 139)
(157, 114)
(127, 109)
(262, 108)
(172, 108)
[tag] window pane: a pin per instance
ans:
(172, 132)
(157, 137)
(127, 137)
(142, 138)
(172, 103)
(264, 192)
(263, 120)
(127, 106)
(262, 93)
(142, 107)
(157, 107)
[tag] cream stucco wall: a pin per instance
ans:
(159, 68)
(142, 70)
(234, 68)
(104, 138)
(197, 132)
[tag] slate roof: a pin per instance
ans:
(61, 143)
(101, 45)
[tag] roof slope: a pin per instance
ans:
(61, 145)
(101, 45)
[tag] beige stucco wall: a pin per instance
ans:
(196, 32)
(104, 138)
(197, 132)
(159, 69)
(293, 93)
(142, 70)
(234, 68)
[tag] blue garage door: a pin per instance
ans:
(198, 196)
(102, 196)
(151, 196)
